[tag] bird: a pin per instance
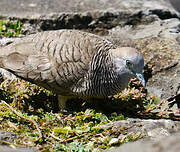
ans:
(72, 64)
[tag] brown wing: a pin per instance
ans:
(54, 59)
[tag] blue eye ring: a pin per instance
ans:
(129, 64)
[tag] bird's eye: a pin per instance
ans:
(129, 64)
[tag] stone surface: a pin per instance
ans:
(10, 137)
(166, 144)
(97, 15)
(34, 8)
(176, 4)
(153, 129)
(14, 149)
(161, 135)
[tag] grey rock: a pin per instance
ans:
(10, 137)
(159, 28)
(93, 15)
(166, 144)
(14, 149)
(7, 136)
(161, 135)
(176, 4)
(153, 129)
(34, 8)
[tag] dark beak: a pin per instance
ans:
(141, 78)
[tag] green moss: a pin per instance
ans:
(10, 28)
(80, 131)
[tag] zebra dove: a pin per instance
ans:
(72, 63)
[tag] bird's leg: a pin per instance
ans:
(62, 102)
(94, 101)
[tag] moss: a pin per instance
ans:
(10, 28)
(37, 124)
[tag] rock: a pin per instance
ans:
(160, 135)
(176, 4)
(82, 14)
(9, 138)
(166, 144)
(14, 149)
(36, 8)
(153, 129)
(113, 141)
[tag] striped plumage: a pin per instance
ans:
(70, 63)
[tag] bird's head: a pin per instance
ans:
(128, 63)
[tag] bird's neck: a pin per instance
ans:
(103, 80)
